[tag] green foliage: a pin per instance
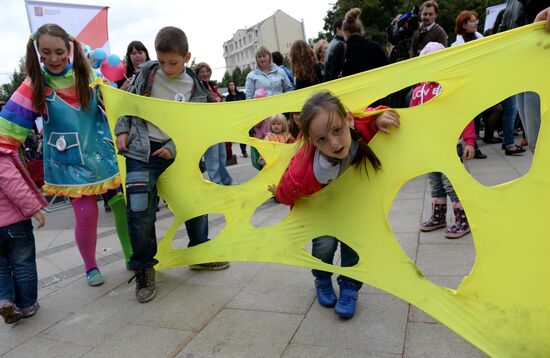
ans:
(376, 15)
(237, 75)
(7, 89)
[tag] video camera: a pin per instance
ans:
(409, 21)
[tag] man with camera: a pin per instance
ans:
(399, 34)
(429, 30)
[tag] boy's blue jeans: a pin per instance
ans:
(18, 278)
(324, 248)
(142, 202)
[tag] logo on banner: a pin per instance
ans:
(38, 11)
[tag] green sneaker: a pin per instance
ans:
(94, 277)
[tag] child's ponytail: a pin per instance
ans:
(32, 66)
(82, 75)
(364, 153)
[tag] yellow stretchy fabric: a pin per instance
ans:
(503, 305)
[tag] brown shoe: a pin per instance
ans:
(211, 266)
(145, 284)
(10, 313)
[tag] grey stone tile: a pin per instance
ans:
(409, 243)
(277, 291)
(187, 307)
(78, 294)
(417, 315)
(142, 341)
(239, 274)
(238, 333)
(44, 238)
(45, 268)
(98, 320)
(404, 222)
(445, 259)
(67, 259)
(436, 340)
(12, 336)
(303, 351)
(378, 326)
(46, 348)
(437, 237)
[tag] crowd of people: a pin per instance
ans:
(79, 159)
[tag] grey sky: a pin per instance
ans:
(207, 25)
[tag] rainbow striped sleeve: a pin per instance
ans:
(17, 116)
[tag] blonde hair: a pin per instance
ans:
(280, 118)
(317, 50)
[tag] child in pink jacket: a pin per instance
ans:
(439, 183)
(19, 201)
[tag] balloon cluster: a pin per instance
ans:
(110, 65)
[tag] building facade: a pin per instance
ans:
(278, 32)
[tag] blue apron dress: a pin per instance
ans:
(79, 155)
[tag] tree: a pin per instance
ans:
(236, 75)
(7, 89)
(376, 15)
(246, 71)
(226, 79)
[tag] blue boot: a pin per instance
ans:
(348, 298)
(325, 293)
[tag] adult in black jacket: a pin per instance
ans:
(361, 54)
(235, 95)
(334, 57)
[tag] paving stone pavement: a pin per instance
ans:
(249, 310)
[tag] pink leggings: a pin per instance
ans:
(85, 230)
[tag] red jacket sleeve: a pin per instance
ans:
(366, 125)
(299, 179)
(469, 134)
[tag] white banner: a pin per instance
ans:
(87, 23)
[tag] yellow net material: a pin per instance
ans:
(503, 305)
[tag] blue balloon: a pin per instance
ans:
(113, 60)
(87, 49)
(100, 54)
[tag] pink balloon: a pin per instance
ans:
(113, 73)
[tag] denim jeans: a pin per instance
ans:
(18, 278)
(214, 160)
(509, 115)
(142, 202)
(441, 186)
(529, 111)
(324, 248)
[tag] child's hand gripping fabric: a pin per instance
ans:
(387, 119)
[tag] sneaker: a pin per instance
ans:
(9, 312)
(30, 311)
(325, 292)
(145, 284)
(94, 277)
(245, 155)
(211, 266)
(345, 307)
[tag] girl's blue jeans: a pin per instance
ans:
(18, 278)
(324, 248)
(441, 186)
